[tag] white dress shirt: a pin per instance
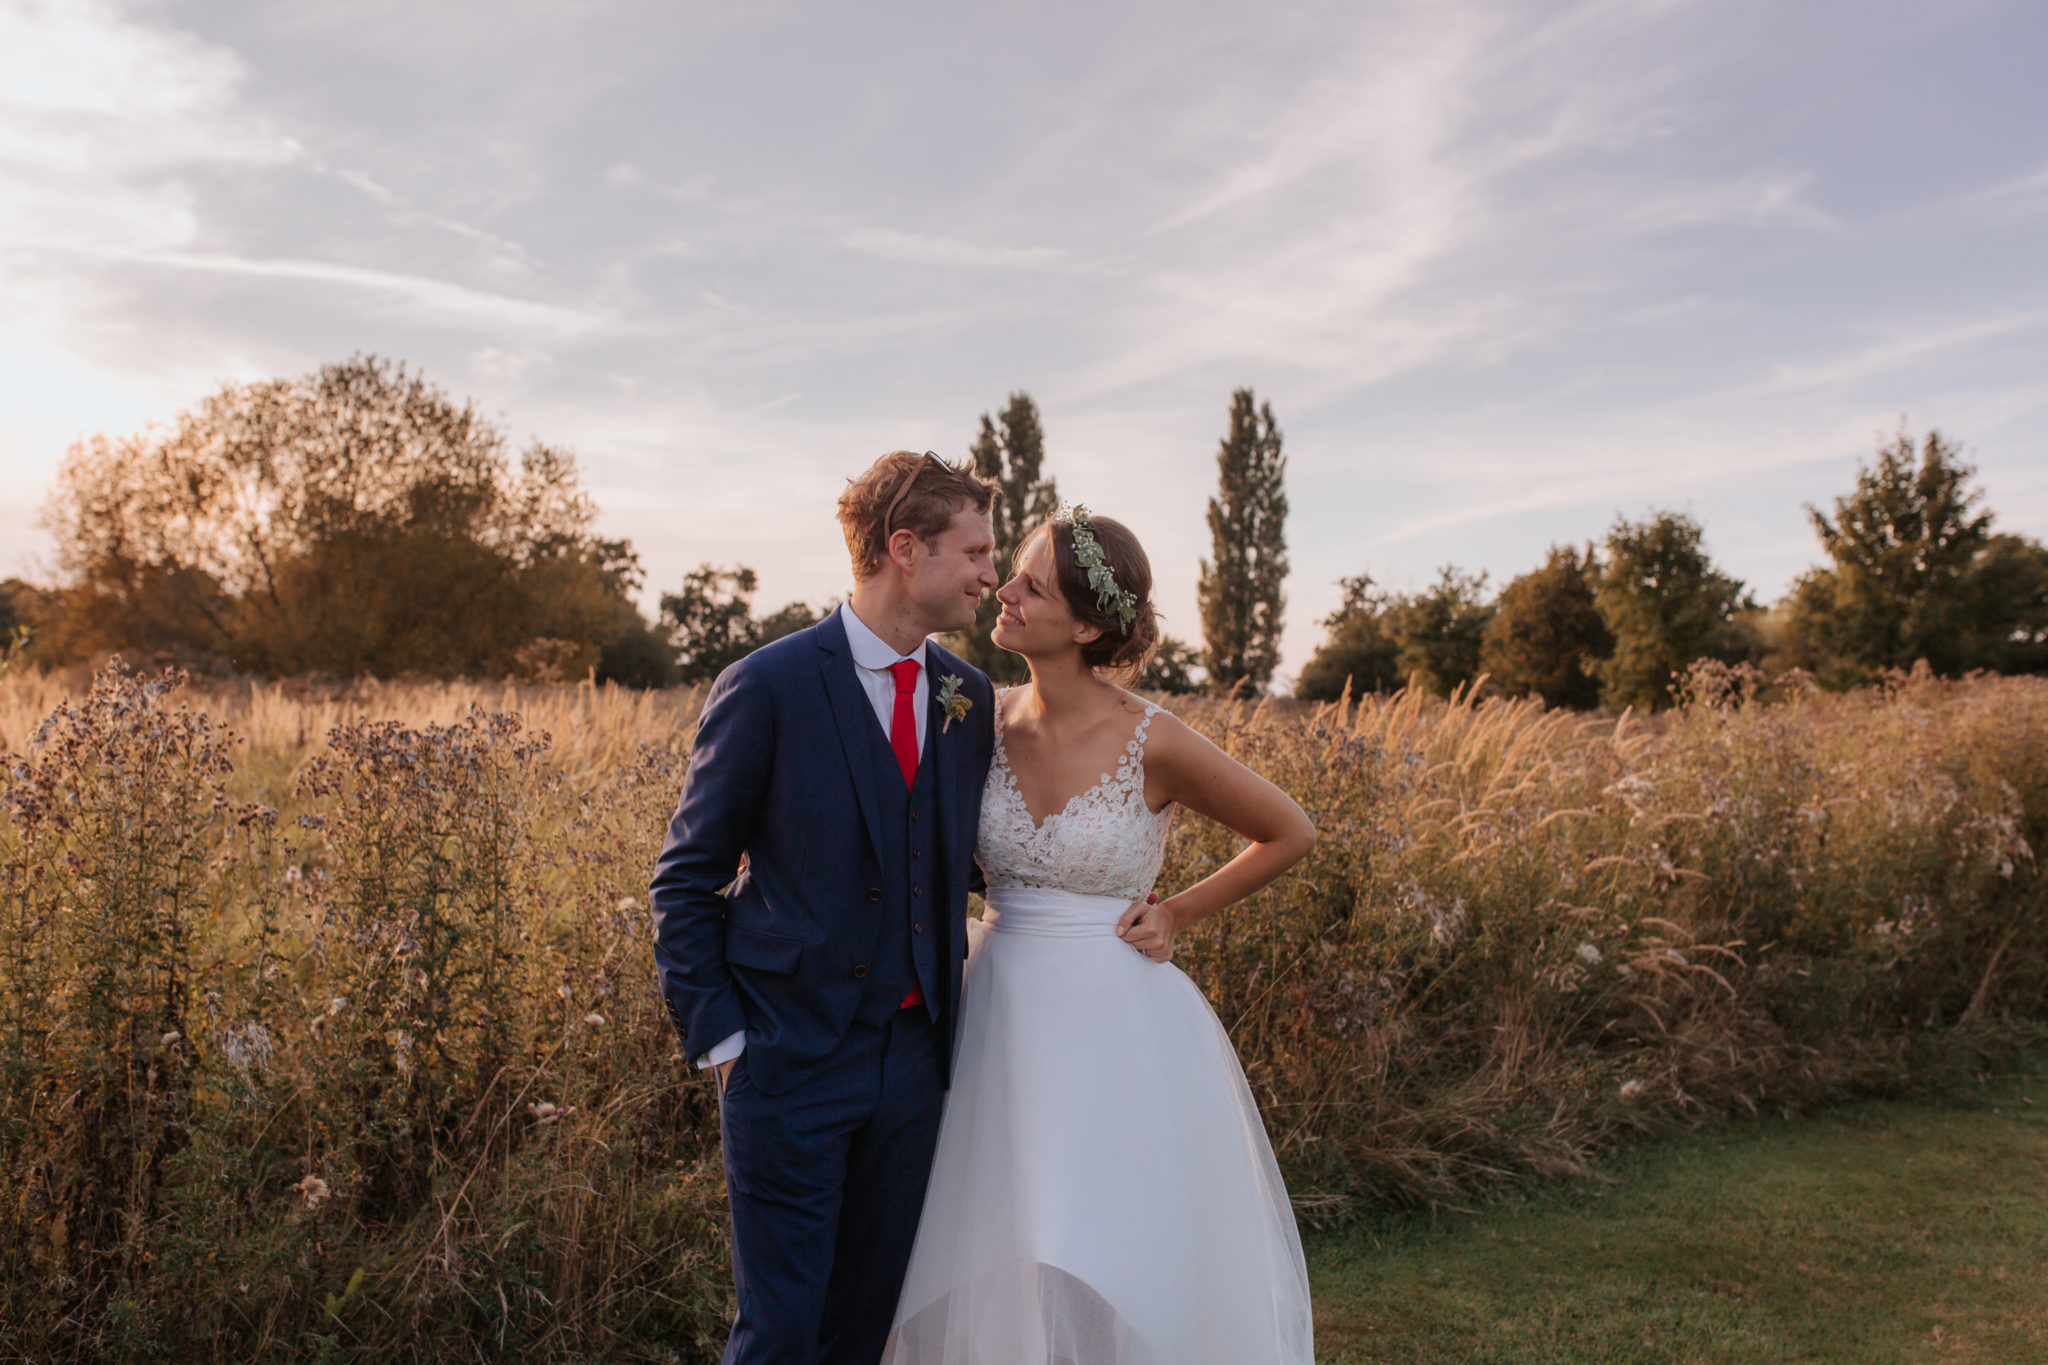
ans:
(872, 656)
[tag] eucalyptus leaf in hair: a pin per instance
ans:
(1088, 554)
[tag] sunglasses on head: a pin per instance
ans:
(931, 457)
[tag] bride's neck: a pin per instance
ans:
(1065, 686)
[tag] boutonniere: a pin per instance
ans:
(951, 702)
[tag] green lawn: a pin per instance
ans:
(1875, 1233)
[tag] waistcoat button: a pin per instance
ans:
(874, 893)
(860, 971)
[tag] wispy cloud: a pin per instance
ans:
(99, 116)
(917, 249)
(1885, 357)
(435, 299)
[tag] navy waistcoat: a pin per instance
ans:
(908, 930)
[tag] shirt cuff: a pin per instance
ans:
(727, 1049)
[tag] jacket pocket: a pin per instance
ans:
(761, 952)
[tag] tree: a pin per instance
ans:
(1171, 669)
(1240, 585)
(1546, 635)
(1360, 652)
(1437, 632)
(1014, 457)
(355, 520)
(1916, 572)
(2009, 603)
(1666, 605)
(23, 607)
(710, 622)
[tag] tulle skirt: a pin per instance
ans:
(1103, 1191)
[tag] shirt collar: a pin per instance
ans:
(870, 650)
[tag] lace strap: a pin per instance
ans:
(1131, 767)
(1144, 725)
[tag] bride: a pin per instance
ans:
(1103, 1192)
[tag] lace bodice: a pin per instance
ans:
(1105, 843)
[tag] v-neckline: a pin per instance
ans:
(1009, 775)
(1010, 785)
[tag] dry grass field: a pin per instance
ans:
(328, 1028)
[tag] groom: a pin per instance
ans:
(845, 763)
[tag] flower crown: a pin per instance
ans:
(1088, 554)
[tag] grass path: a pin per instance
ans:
(1881, 1232)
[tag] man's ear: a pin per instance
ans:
(903, 543)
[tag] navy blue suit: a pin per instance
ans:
(855, 891)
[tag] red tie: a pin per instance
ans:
(903, 739)
(903, 724)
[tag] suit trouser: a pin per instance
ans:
(825, 1185)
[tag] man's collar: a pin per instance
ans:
(869, 649)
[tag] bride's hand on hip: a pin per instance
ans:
(1148, 926)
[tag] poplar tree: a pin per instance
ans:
(1239, 588)
(1011, 450)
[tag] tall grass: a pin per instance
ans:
(328, 1024)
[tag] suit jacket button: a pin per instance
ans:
(874, 893)
(860, 971)
(917, 891)
(917, 928)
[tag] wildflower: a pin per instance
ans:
(337, 1005)
(313, 1189)
(1631, 1090)
(594, 1019)
(546, 1111)
(246, 1045)
(628, 904)
(1590, 954)
(565, 992)
(172, 1037)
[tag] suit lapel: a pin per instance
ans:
(945, 758)
(853, 716)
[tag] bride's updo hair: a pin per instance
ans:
(1115, 650)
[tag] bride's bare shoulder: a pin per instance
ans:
(1134, 708)
(1171, 742)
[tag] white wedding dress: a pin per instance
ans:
(1103, 1191)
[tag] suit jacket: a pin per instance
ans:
(780, 771)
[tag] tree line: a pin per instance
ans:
(360, 521)
(1914, 570)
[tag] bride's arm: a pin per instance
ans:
(1182, 765)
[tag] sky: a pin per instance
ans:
(1504, 271)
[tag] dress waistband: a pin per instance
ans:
(1059, 914)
